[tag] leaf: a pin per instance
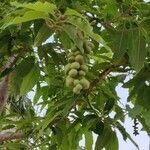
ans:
(30, 80)
(71, 12)
(28, 16)
(25, 66)
(37, 6)
(72, 33)
(48, 119)
(43, 34)
(143, 95)
(137, 110)
(137, 53)
(87, 29)
(113, 142)
(109, 105)
(146, 116)
(121, 43)
(88, 140)
(126, 135)
(103, 142)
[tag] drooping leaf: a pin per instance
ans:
(43, 34)
(45, 7)
(30, 80)
(138, 51)
(103, 142)
(88, 140)
(28, 16)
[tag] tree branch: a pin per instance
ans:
(11, 62)
(11, 136)
(101, 76)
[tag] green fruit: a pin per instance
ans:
(76, 53)
(73, 72)
(76, 91)
(67, 68)
(76, 82)
(77, 88)
(70, 54)
(80, 59)
(69, 81)
(71, 59)
(88, 49)
(82, 73)
(88, 46)
(84, 68)
(75, 65)
(85, 83)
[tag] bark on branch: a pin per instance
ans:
(101, 76)
(11, 136)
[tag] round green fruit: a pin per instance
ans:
(76, 82)
(77, 89)
(75, 65)
(80, 59)
(90, 44)
(78, 86)
(85, 83)
(84, 68)
(71, 59)
(82, 73)
(73, 73)
(70, 54)
(67, 68)
(69, 81)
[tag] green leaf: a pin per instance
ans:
(113, 142)
(25, 66)
(43, 34)
(137, 110)
(146, 116)
(125, 134)
(48, 119)
(84, 26)
(138, 51)
(88, 140)
(72, 33)
(28, 16)
(103, 142)
(143, 95)
(37, 6)
(30, 80)
(121, 43)
(71, 12)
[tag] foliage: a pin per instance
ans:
(43, 33)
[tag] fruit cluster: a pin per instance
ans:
(76, 71)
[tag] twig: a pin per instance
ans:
(11, 136)
(101, 76)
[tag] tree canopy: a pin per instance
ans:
(60, 64)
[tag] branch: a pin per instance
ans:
(101, 76)
(11, 62)
(11, 136)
